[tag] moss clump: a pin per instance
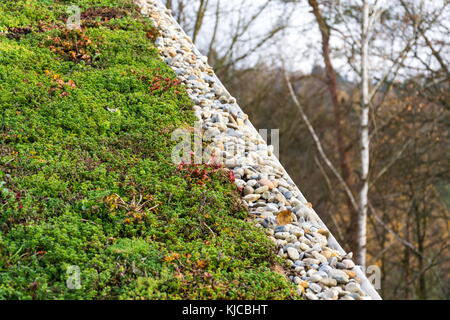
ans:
(85, 173)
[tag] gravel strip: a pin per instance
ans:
(321, 271)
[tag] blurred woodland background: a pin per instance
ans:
(359, 71)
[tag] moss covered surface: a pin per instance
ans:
(85, 173)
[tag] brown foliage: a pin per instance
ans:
(284, 218)
(73, 45)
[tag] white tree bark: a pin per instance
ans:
(364, 134)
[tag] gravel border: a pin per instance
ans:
(319, 266)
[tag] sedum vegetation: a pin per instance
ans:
(86, 178)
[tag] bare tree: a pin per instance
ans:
(365, 154)
(203, 5)
(231, 32)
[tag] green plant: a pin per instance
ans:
(86, 174)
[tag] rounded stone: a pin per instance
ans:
(316, 277)
(353, 287)
(304, 246)
(293, 253)
(328, 282)
(262, 189)
(297, 280)
(267, 183)
(311, 296)
(281, 235)
(339, 276)
(248, 190)
(252, 197)
(315, 287)
(319, 257)
(349, 264)
(330, 294)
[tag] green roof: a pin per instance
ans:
(86, 180)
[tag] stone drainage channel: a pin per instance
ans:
(319, 266)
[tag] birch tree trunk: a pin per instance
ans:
(364, 134)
